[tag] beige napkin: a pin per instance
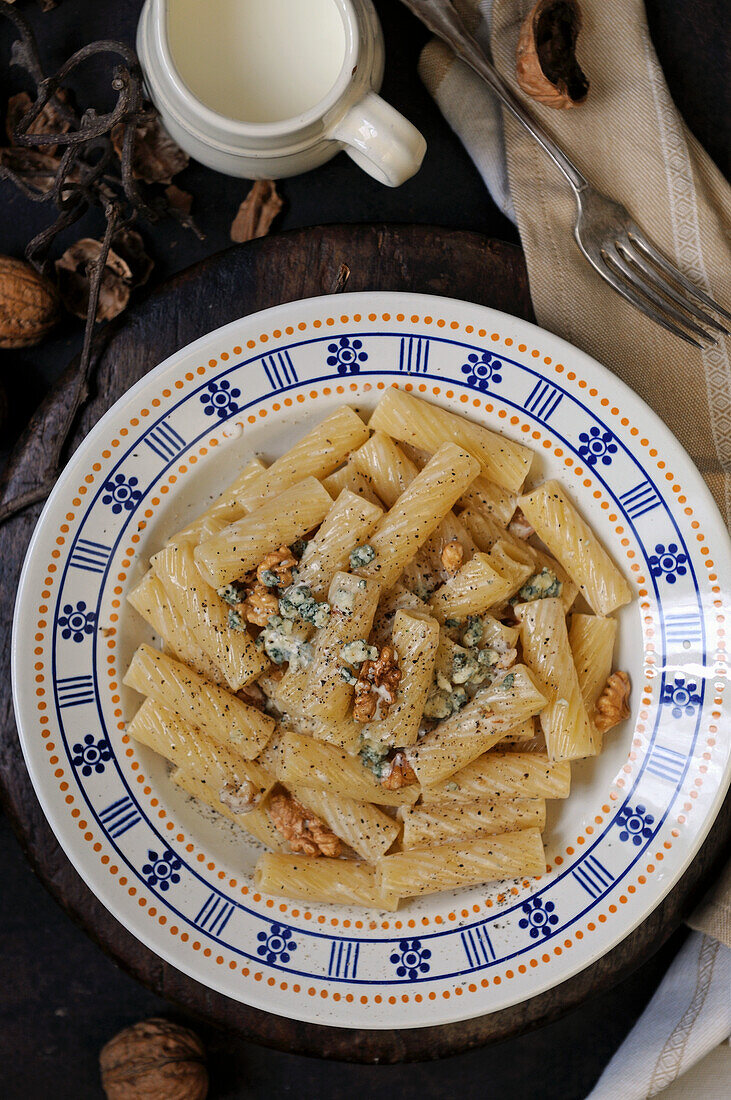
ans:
(630, 141)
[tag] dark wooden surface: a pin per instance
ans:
(226, 286)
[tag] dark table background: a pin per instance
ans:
(60, 997)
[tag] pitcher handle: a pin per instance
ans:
(381, 141)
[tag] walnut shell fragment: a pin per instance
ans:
(156, 157)
(29, 304)
(30, 167)
(127, 266)
(257, 212)
(154, 1060)
(545, 62)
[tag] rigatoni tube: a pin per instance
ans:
(416, 640)
(353, 602)
(348, 524)
(223, 716)
(316, 454)
(337, 881)
(428, 426)
(473, 730)
(233, 652)
(230, 554)
(425, 826)
(463, 863)
(418, 512)
(570, 539)
(497, 775)
(313, 763)
(546, 650)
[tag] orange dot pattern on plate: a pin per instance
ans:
(201, 857)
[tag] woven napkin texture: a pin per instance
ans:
(630, 141)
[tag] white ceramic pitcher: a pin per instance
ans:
(350, 115)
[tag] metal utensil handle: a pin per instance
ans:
(441, 18)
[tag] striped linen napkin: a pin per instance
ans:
(630, 141)
(680, 1046)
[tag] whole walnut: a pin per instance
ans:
(29, 304)
(154, 1060)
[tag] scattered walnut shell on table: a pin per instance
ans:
(29, 304)
(545, 61)
(154, 1060)
(257, 212)
(127, 266)
(156, 157)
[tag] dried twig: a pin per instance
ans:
(96, 169)
(341, 279)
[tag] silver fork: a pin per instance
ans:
(605, 232)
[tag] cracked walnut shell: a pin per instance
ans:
(545, 60)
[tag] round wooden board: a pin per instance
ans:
(239, 281)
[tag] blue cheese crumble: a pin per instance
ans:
(442, 703)
(541, 586)
(343, 600)
(362, 555)
(297, 602)
(235, 620)
(267, 577)
(281, 643)
(233, 593)
(373, 756)
(355, 653)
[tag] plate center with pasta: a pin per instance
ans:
(382, 660)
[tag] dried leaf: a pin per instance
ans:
(179, 199)
(257, 212)
(35, 169)
(156, 157)
(49, 121)
(74, 271)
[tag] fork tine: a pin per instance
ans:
(632, 276)
(657, 257)
(639, 302)
(636, 258)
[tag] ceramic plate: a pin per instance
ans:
(177, 876)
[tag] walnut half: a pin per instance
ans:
(612, 706)
(545, 63)
(401, 774)
(377, 684)
(276, 564)
(303, 830)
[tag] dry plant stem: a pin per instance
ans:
(86, 177)
(340, 280)
(22, 501)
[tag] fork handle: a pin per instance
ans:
(441, 18)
